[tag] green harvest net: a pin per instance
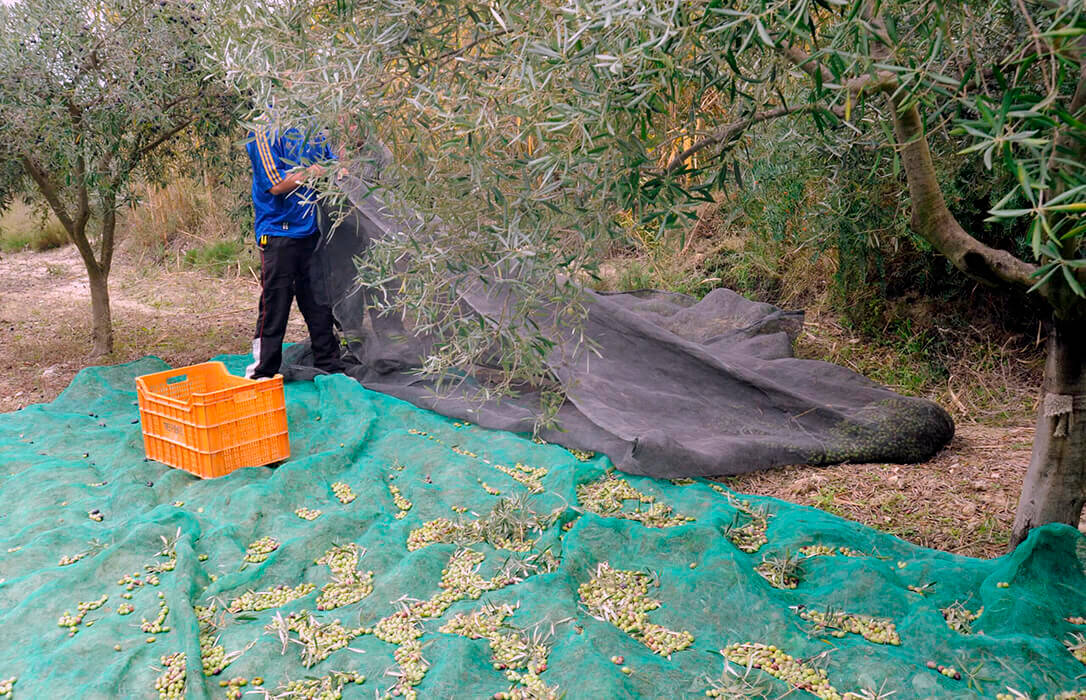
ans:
(500, 567)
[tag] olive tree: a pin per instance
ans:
(530, 125)
(92, 95)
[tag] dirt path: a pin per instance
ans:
(182, 316)
(962, 501)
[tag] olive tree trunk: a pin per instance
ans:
(1055, 486)
(98, 266)
(102, 322)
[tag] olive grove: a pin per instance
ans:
(531, 125)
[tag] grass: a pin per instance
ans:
(826, 499)
(22, 228)
(217, 258)
(192, 224)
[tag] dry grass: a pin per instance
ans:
(23, 228)
(184, 287)
(962, 501)
(978, 376)
(187, 223)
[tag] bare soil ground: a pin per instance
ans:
(961, 501)
(183, 316)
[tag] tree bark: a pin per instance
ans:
(933, 220)
(102, 322)
(1055, 486)
(97, 267)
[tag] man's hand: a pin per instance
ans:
(297, 178)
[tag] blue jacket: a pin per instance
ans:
(271, 155)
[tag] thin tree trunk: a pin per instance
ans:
(1055, 486)
(102, 322)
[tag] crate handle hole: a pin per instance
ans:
(178, 379)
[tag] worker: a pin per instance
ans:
(285, 162)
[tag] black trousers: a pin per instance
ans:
(285, 265)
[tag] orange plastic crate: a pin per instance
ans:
(208, 422)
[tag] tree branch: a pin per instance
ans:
(77, 234)
(163, 138)
(882, 81)
(109, 226)
(932, 220)
(82, 213)
(442, 59)
(49, 191)
(730, 132)
(463, 49)
(180, 100)
(802, 60)
(90, 62)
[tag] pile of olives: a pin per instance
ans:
(67, 560)
(171, 684)
(212, 654)
(960, 619)
(531, 687)
(348, 585)
(319, 639)
(750, 536)
(273, 598)
(433, 532)
(343, 492)
(776, 577)
(1077, 646)
(328, 687)
(948, 671)
(412, 668)
(402, 503)
(607, 496)
(258, 551)
(621, 598)
(155, 626)
(874, 629)
(480, 624)
(821, 550)
(72, 622)
(779, 664)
